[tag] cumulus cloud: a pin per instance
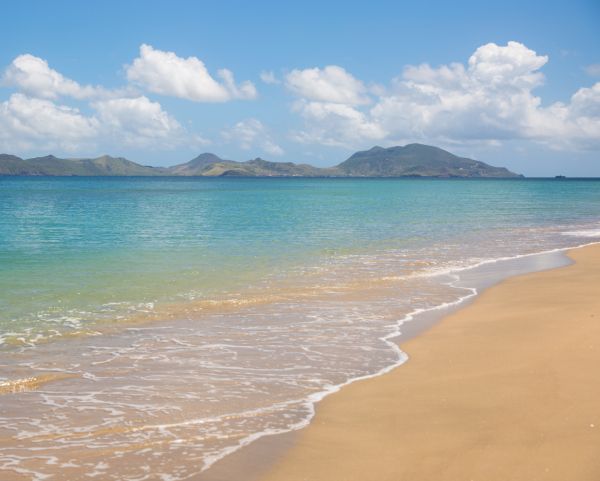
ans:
(33, 76)
(27, 122)
(331, 84)
(491, 99)
(33, 118)
(335, 124)
(268, 77)
(488, 100)
(572, 125)
(138, 122)
(513, 65)
(250, 134)
(188, 78)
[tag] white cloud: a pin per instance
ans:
(336, 124)
(27, 123)
(138, 122)
(575, 125)
(33, 76)
(331, 84)
(167, 74)
(268, 77)
(511, 66)
(32, 119)
(250, 134)
(489, 100)
(246, 90)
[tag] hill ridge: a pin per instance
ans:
(411, 160)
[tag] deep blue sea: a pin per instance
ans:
(167, 321)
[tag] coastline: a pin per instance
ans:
(435, 416)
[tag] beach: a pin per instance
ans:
(146, 343)
(504, 389)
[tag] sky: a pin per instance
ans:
(515, 83)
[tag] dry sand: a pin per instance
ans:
(506, 389)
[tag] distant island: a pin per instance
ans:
(412, 160)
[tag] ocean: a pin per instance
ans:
(151, 326)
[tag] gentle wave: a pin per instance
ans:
(134, 439)
(195, 317)
(12, 386)
(315, 398)
(583, 233)
(113, 317)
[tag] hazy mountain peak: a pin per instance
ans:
(412, 160)
(416, 160)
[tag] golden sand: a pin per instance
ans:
(507, 389)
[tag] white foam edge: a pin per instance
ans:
(583, 233)
(311, 400)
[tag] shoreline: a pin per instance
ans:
(480, 399)
(258, 456)
(261, 449)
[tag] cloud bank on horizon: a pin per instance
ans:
(490, 99)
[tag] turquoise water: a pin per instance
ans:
(77, 250)
(167, 321)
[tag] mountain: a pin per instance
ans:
(11, 165)
(50, 165)
(416, 160)
(413, 160)
(210, 165)
(197, 165)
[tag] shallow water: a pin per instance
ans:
(150, 326)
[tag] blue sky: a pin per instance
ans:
(514, 84)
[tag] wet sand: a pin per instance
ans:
(505, 389)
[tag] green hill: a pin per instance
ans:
(210, 165)
(413, 160)
(50, 165)
(416, 160)
(197, 165)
